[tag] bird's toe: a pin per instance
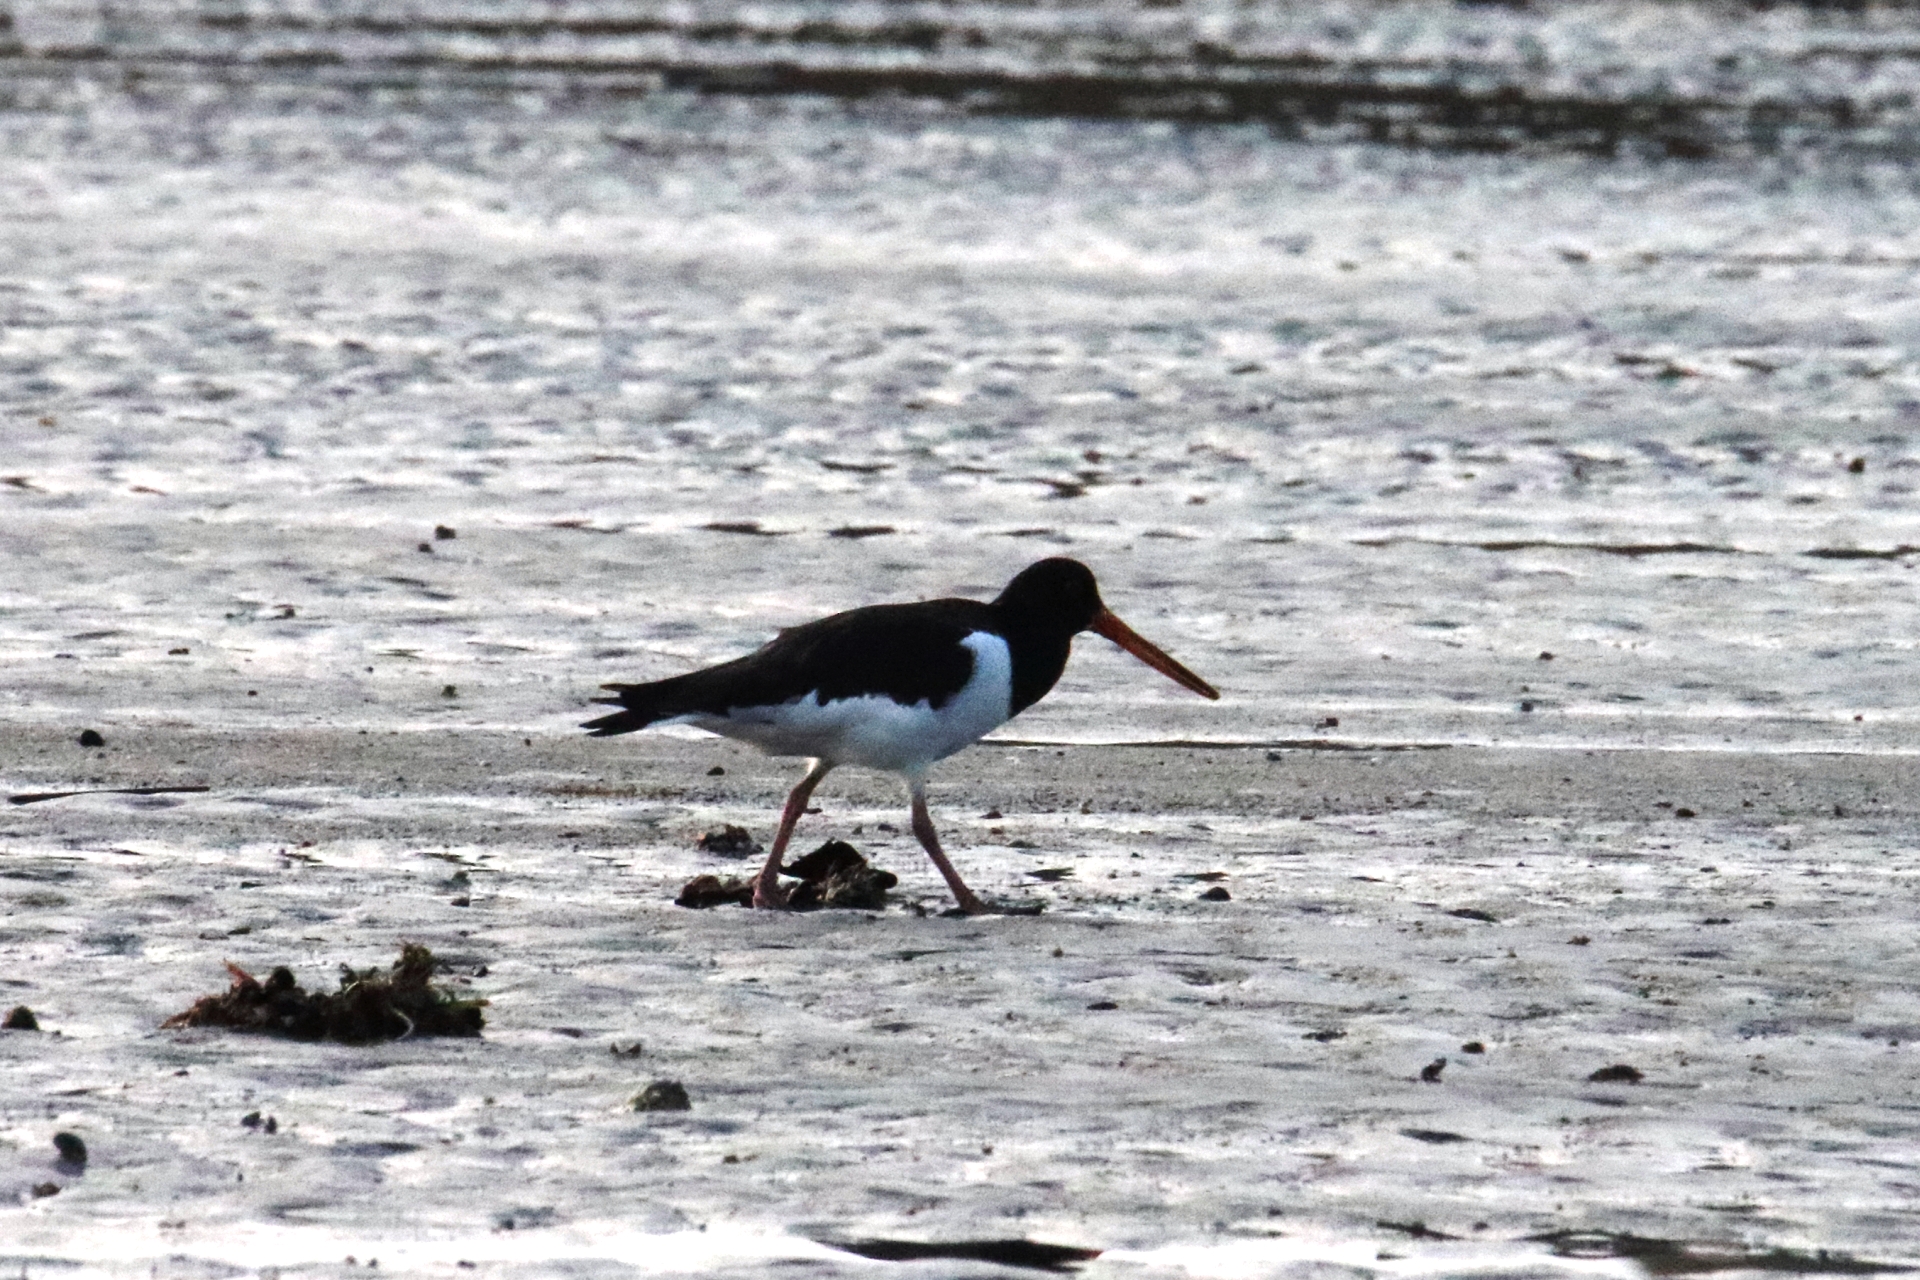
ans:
(972, 906)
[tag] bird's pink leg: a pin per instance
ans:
(923, 828)
(766, 886)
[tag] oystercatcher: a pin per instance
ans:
(893, 687)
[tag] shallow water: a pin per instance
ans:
(1602, 77)
(1356, 433)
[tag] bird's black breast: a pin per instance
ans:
(907, 652)
(1038, 661)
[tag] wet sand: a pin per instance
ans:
(1548, 524)
(1225, 1087)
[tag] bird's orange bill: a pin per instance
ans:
(1139, 646)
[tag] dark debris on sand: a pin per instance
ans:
(1618, 1073)
(835, 875)
(1694, 1258)
(728, 841)
(72, 1149)
(1034, 1254)
(371, 1005)
(662, 1095)
(713, 891)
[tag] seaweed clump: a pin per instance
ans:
(371, 1005)
(709, 890)
(834, 875)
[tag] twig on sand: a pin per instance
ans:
(35, 797)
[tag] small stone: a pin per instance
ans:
(1430, 1074)
(716, 772)
(1217, 894)
(42, 1190)
(1618, 1073)
(20, 1019)
(444, 533)
(1473, 1046)
(91, 738)
(1438, 1137)
(1684, 813)
(72, 1150)
(450, 691)
(663, 1095)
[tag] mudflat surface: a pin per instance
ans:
(1547, 522)
(1207, 1087)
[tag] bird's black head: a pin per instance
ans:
(1052, 597)
(1045, 606)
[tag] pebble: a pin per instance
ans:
(663, 1095)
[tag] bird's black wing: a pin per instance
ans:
(907, 652)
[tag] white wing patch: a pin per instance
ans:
(875, 731)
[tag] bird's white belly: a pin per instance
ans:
(875, 731)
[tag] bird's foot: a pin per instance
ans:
(972, 906)
(768, 895)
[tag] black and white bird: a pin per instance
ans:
(893, 687)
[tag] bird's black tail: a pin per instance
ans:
(640, 705)
(711, 691)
